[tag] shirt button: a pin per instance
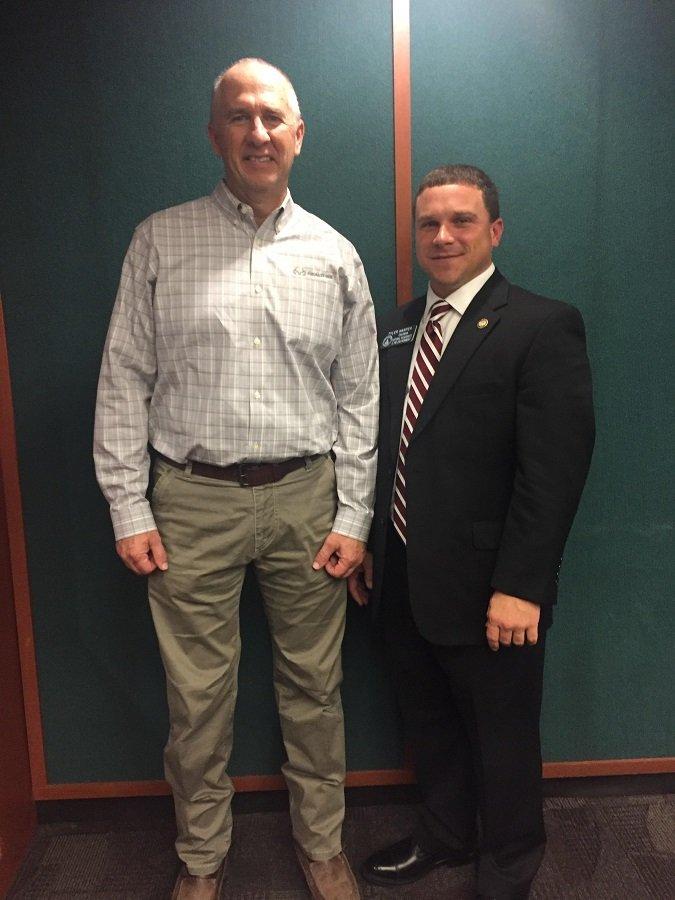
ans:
(256, 394)
(258, 288)
(256, 342)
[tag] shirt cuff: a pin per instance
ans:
(352, 524)
(135, 520)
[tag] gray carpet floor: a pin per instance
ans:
(599, 847)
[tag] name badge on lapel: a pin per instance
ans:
(399, 336)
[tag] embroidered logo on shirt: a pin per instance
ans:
(312, 273)
(399, 336)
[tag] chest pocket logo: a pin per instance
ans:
(306, 272)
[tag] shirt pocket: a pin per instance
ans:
(308, 310)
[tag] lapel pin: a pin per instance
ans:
(482, 323)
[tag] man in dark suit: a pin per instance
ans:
(486, 433)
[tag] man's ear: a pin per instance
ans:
(212, 139)
(299, 136)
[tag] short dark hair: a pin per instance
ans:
(461, 174)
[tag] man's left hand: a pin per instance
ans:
(511, 620)
(339, 555)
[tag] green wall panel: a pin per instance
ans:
(568, 105)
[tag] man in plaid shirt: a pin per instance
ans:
(242, 349)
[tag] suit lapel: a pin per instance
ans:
(463, 344)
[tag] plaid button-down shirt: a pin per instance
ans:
(232, 343)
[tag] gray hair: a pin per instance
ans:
(291, 96)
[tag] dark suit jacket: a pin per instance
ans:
(497, 460)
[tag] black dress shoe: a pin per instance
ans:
(406, 861)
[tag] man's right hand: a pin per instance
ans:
(143, 553)
(360, 582)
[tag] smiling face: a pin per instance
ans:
(256, 132)
(454, 236)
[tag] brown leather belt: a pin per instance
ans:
(247, 474)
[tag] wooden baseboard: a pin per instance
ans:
(370, 778)
(657, 765)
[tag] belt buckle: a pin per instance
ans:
(243, 477)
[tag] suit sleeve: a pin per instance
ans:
(554, 440)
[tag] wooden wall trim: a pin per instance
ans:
(402, 148)
(18, 817)
(242, 784)
(368, 778)
(653, 765)
(19, 569)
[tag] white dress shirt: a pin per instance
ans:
(459, 300)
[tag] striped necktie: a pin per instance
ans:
(426, 360)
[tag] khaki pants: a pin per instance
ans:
(211, 530)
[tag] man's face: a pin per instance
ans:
(454, 236)
(255, 132)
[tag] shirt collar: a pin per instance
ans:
(239, 210)
(460, 299)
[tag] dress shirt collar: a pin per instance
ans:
(460, 299)
(239, 210)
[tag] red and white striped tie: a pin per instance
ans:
(426, 360)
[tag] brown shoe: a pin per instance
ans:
(329, 879)
(199, 887)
